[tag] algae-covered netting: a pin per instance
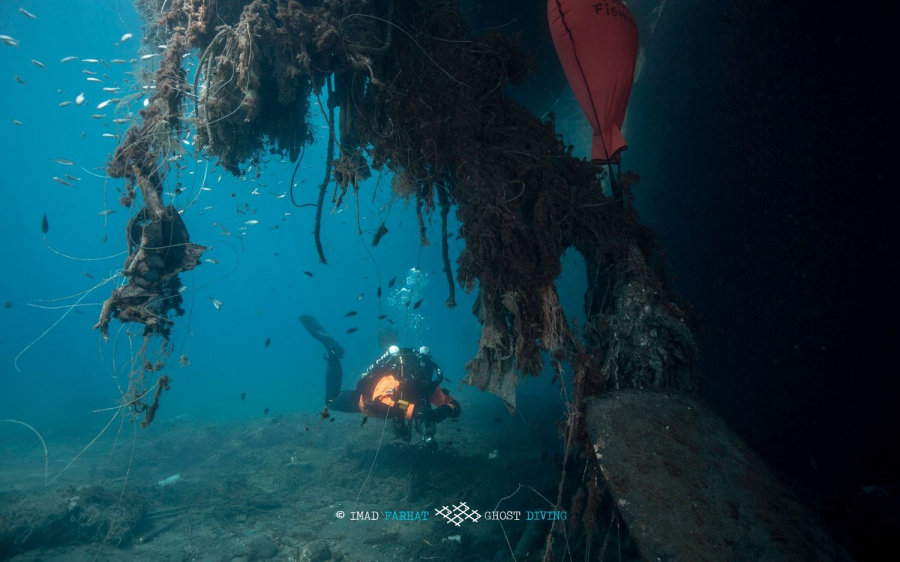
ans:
(407, 89)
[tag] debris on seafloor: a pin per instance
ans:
(169, 481)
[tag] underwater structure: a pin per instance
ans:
(407, 89)
(433, 113)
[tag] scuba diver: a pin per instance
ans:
(403, 385)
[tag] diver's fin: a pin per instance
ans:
(317, 331)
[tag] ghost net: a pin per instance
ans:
(419, 96)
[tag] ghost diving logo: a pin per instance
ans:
(458, 513)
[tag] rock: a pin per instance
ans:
(690, 489)
(315, 551)
(261, 548)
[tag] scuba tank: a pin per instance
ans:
(382, 361)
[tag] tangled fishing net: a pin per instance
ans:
(406, 88)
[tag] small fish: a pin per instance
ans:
(79, 99)
(19, 79)
(27, 14)
(379, 292)
(64, 60)
(382, 317)
(212, 261)
(17, 122)
(391, 282)
(62, 181)
(92, 79)
(351, 313)
(126, 37)
(307, 273)
(89, 72)
(109, 136)
(88, 275)
(45, 226)
(360, 297)
(102, 104)
(8, 304)
(147, 57)
(331, 420)
(64, 103)
(98, 115)
(183, 361)
(118, 61)
(268, 342)
(111, 89)
(64, 162)
(266, 412)
(243, 396)
(365, 419)
(418, 304)
(216, 303)
(73, 178)
(38, 63)
(90, 60)
(120, 120)
(106, 212)
(251, 222)
(351, 330)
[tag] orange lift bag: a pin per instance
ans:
(597, 43)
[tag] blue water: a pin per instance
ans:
(69, 370)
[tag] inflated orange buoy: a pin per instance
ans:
(597, 43)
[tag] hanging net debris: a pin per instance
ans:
(407, 89)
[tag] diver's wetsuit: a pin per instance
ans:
(367, 399)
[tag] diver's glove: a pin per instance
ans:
(440, 414)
